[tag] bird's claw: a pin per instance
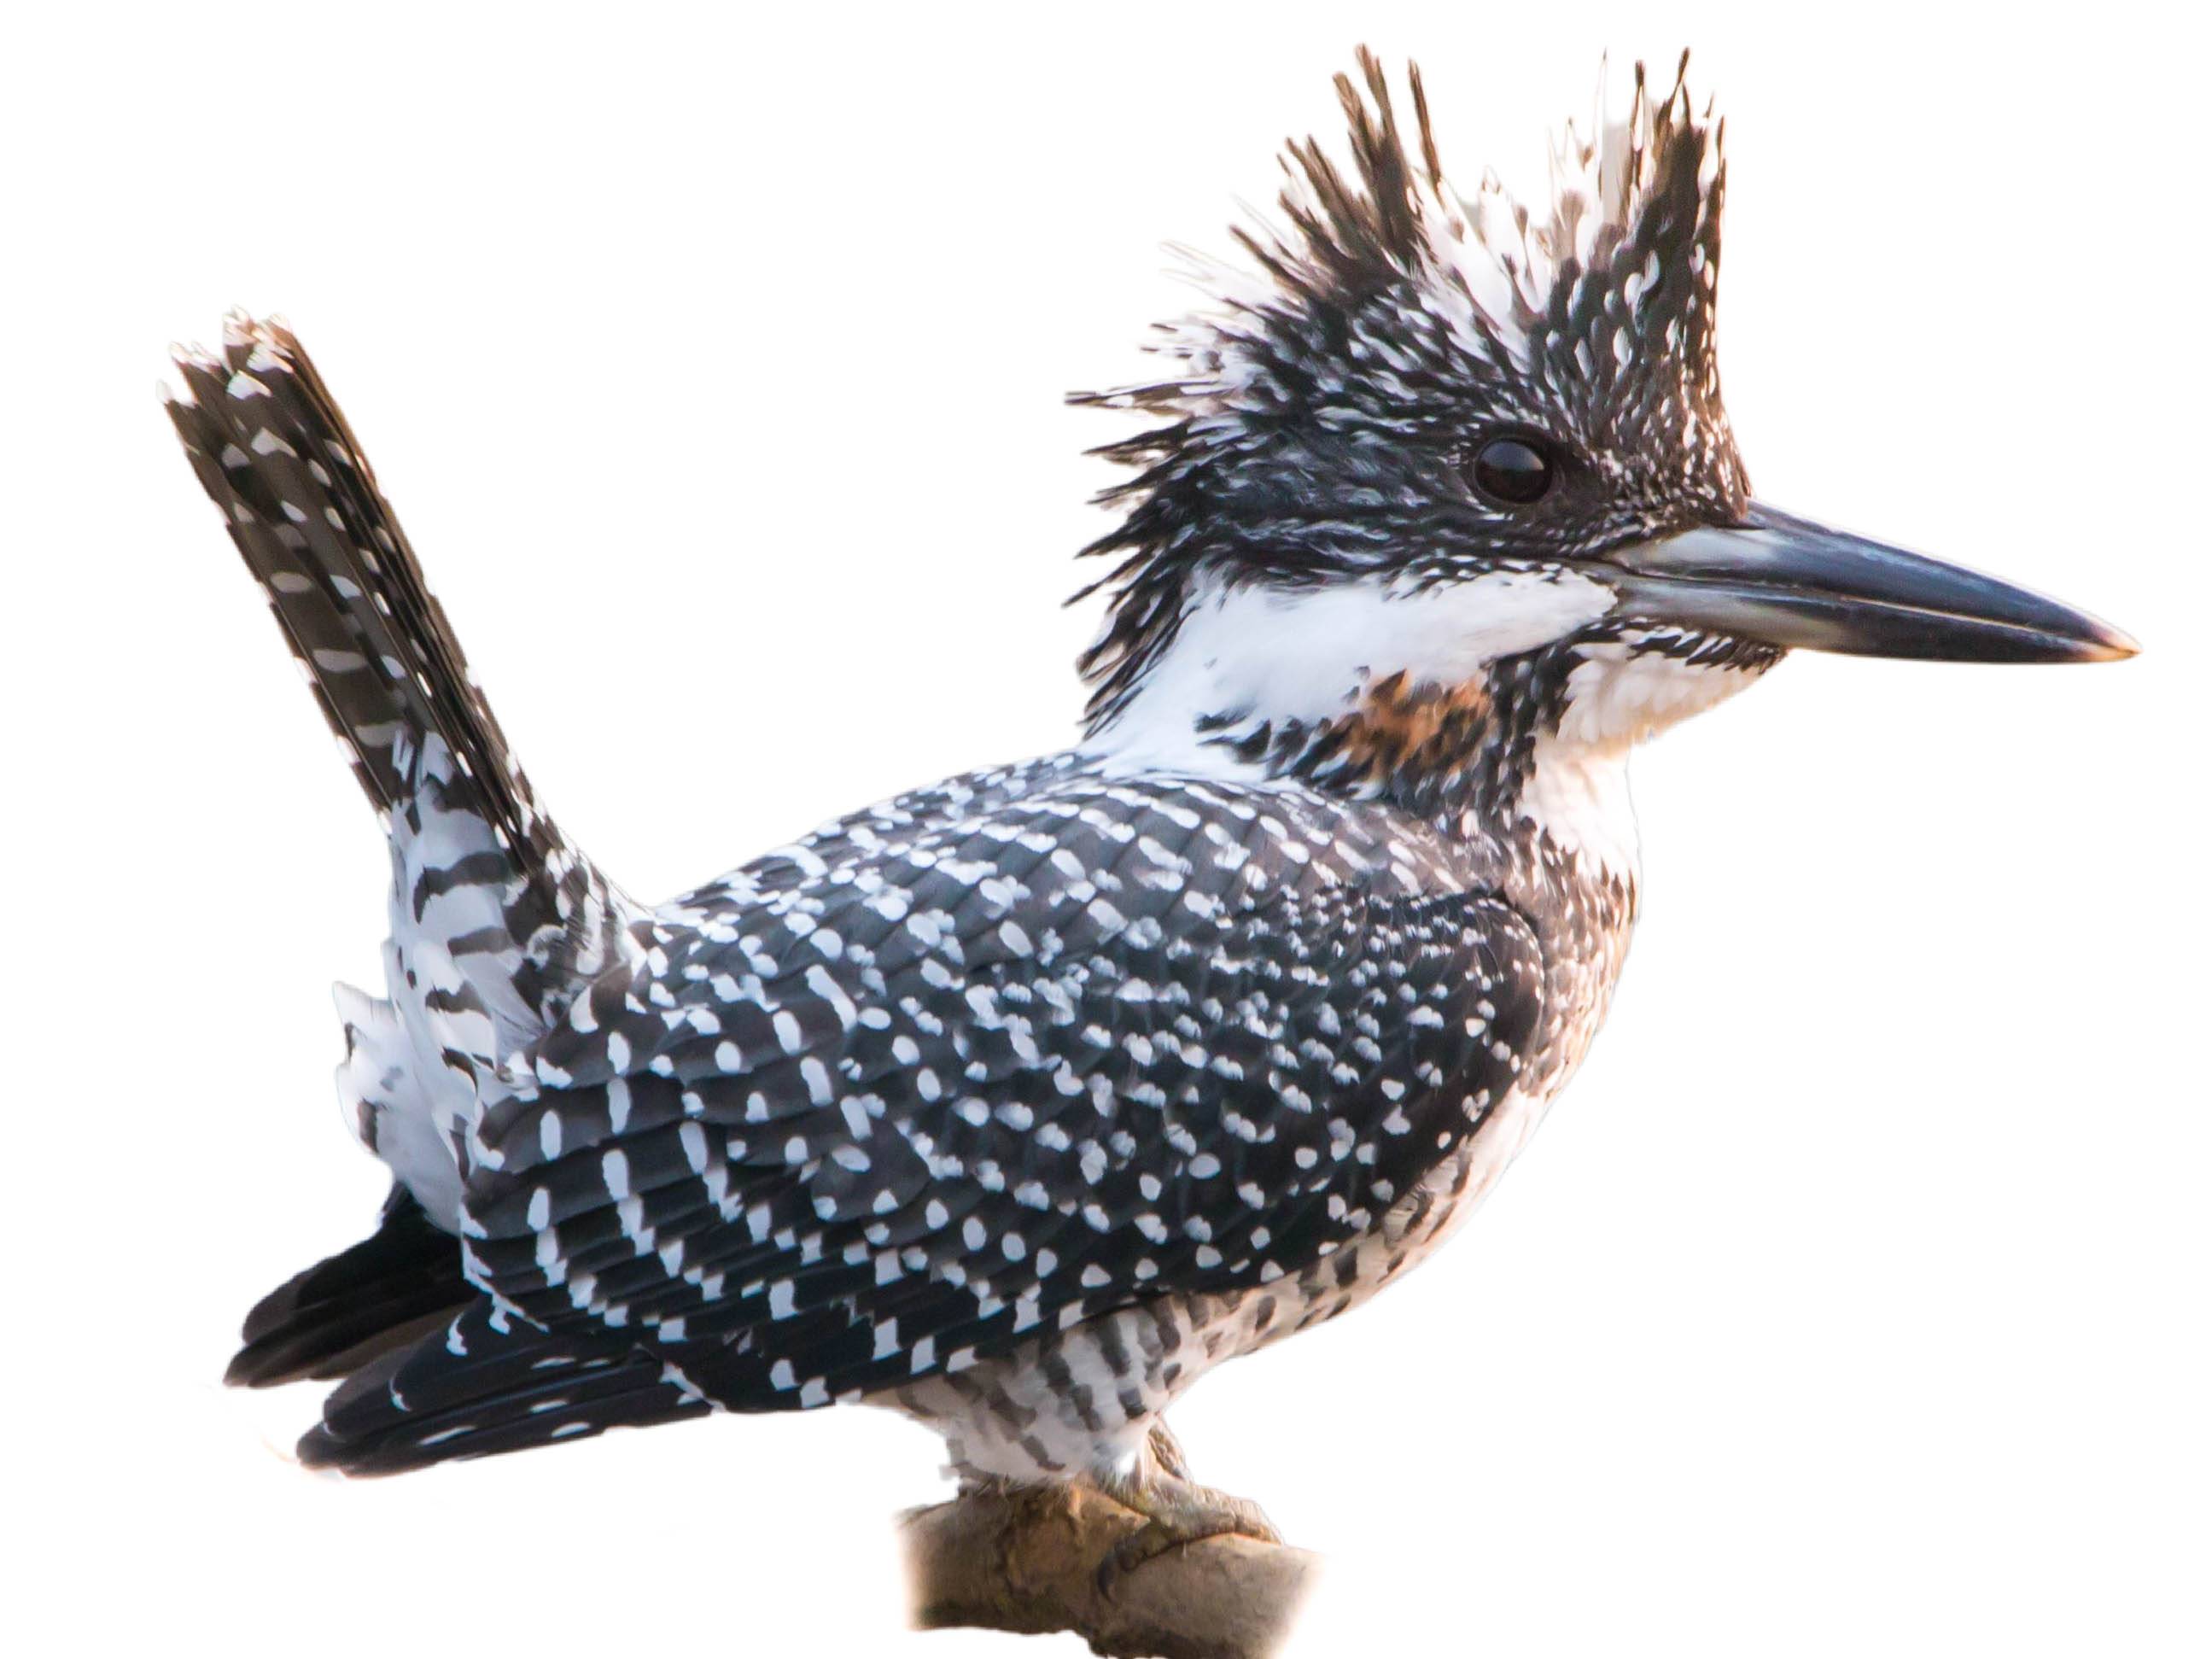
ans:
(1177, 1511)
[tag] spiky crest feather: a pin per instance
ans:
(1596, 318)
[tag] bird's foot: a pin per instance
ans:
(1176, 1510)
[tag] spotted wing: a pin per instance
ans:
(1004, 1076)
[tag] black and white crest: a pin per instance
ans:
(1318, 417)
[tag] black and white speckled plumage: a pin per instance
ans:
(1018, 1101)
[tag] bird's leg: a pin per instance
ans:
(1178, 1510)
(1166, 1450)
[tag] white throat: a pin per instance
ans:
(1250, 654)
(1577, 791)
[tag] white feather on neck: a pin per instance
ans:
(1577, 789)
(1252, 653)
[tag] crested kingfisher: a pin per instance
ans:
(1019, 1101)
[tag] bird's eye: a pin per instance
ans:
(1512, 471)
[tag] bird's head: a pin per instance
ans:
(1444, 476)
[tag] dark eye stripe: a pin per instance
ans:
(1512, 471)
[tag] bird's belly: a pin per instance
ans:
(1083, 1399)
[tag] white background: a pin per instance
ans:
(1855, 1299)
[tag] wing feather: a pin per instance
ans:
(925, 1087)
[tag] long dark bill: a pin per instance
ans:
(1789, 581)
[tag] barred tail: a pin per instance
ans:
(272, 451)
(275, 454)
